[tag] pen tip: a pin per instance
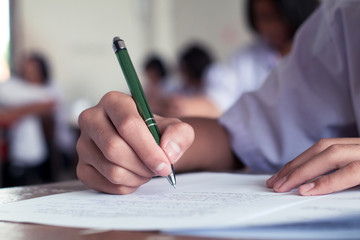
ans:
(174, 186)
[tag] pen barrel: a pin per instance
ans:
(137, 92)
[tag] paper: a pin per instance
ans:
(201, 201)
(337, 228)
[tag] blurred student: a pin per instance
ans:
(30, 107)
(274, 23)
(155, 73)
(193, 63)
(310, 101)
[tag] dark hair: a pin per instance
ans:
(195, 59)
(294, 12)
(155, 63)
(44, 67)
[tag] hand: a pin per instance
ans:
(117, 152)
(340, 156)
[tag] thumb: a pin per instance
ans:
(176, 138)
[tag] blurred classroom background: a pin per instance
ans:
(74, 38)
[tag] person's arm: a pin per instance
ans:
(340, 157)
(117, 153)
(12, 114)
(197, 106)
(211, 149)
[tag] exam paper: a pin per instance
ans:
(337, 228)
(201, 201)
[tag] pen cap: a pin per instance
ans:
(135, 87)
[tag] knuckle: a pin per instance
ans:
(85, 117)
(129, 124)
(112, 148)
(322, 144)
(114, 98)
(354, 168)
(295, 175)
(80, 173)
(115, 175)
(110, 97)
(287, 167)
(79, 145)
(335, 148)
(185, 129)
(325, 182)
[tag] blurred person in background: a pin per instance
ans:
(155, 88)
(36, 132)
(274, 23)
(193, 63)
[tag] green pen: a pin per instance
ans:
(138, 94)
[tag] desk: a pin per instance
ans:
(19, 231)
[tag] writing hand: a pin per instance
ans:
(340, 156)
(117, 152)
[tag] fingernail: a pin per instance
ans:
(271, 180)
(307, 187)
(160, 169)
(173, 151)
(279, 183)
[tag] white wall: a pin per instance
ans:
(76, 36)
(219, 24)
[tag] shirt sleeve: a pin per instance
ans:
(15, 92)
(221, 86)
(309, 96)
(245, 71)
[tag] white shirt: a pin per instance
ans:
(27, 140)
(246, 71)
(313, 94)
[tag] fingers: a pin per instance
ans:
(134, 132)
(98, 132)
(340, 157)
(287, 168)
(176, 139)
(117, 152)
(346, 177)
(308, 155)
(99, 182)
(121, 174)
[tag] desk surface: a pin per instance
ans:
(19, 231)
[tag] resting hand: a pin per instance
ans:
(117, 152)
(339, 154)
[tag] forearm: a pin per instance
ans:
(202, 106)
(10, 115)
(197, 106)
(211, 149)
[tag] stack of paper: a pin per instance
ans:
(215, 204)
